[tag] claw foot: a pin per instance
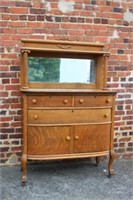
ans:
(111, 173)
(24, 180)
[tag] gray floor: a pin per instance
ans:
(69, 180)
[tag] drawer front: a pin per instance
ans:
(68, 116)
(92, 138)
(93, 101)
(49, 101)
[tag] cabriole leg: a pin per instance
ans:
(110, 164)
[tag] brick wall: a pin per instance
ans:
(109, 22)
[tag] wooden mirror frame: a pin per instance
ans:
(64, 49)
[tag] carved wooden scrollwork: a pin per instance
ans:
(64, 46)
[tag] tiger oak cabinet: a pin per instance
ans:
(68, 112)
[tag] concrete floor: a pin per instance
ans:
(69, 180)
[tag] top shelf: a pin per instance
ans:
(63, 46)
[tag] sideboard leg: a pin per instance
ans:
(97, 161)
(24, 169)
(110, 164)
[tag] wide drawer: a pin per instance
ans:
(68, 116)
(93, 101)
(49, 101)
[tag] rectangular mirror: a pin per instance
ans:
(61, 70)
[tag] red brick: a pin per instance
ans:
(17, 24)
(18, 10)
(10, 100)
(14, 136)
(15, 93)
(16, 106)
(119, 123)
(126, 139)
(15, 80)
(4, 106)
(4, 149)
(12, 87)
(16, 124)
(130, 112)
(8, 74)
(25, 31)
(3, 136)
(1, 87)
(6, 119)
(4, 124)
(116, 15)
(125, 128)
(35, 24)
(22, 4)
(37, 11)
(7, 130)
(5, 81)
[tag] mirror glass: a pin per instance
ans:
(61, 70)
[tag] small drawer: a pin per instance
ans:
(49, 101)
(93, 101)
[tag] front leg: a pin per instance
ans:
(97, 160)
(24, 169)
(110, 164)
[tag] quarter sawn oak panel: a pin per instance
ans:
(91, 138)
(48, 140)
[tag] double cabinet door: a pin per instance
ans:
(68, 139)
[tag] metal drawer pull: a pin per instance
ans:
(35, 116)
(76, 137)
(68, 138)
(108, 100)
(65, 101)
(81, 100)
(34, 101)
(106, 115)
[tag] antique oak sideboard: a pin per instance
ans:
(68, 112)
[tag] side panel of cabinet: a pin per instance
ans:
(48, 140)
(92, 138)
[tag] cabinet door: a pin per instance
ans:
(91, 138)
(48, 140)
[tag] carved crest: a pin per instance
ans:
(64, 46)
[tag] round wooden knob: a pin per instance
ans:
(76, 137)
(65, 101)
(108, 100)
(34, 101)
(35, 116)
(81, 100)
(106, 115)
(68, 138)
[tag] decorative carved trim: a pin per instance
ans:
(64, 46)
